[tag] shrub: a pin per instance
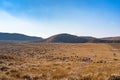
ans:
(87, 77)
(4, 68)
(114, 77)
(27, 77)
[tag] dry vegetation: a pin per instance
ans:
(45, 61)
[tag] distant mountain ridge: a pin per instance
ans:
(18, 37)
(68, 38)
(59, 38)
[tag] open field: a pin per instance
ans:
(59, 61)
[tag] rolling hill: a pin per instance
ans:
(68, 38)
(18, 37)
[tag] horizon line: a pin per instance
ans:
(57, 34)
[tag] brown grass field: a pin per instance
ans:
(59, 61)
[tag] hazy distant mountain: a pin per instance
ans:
(59, 38)
(112, 38)
(68, 38)
(18, 37)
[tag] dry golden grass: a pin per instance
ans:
(58, 61)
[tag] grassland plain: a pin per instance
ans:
(59, 61)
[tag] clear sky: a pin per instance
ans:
(97, 18)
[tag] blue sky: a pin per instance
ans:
(98, 18)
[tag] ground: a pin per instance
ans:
(59, 61)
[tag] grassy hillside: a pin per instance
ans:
(46, 61)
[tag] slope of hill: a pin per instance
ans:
(68, 38)
(18, 37)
